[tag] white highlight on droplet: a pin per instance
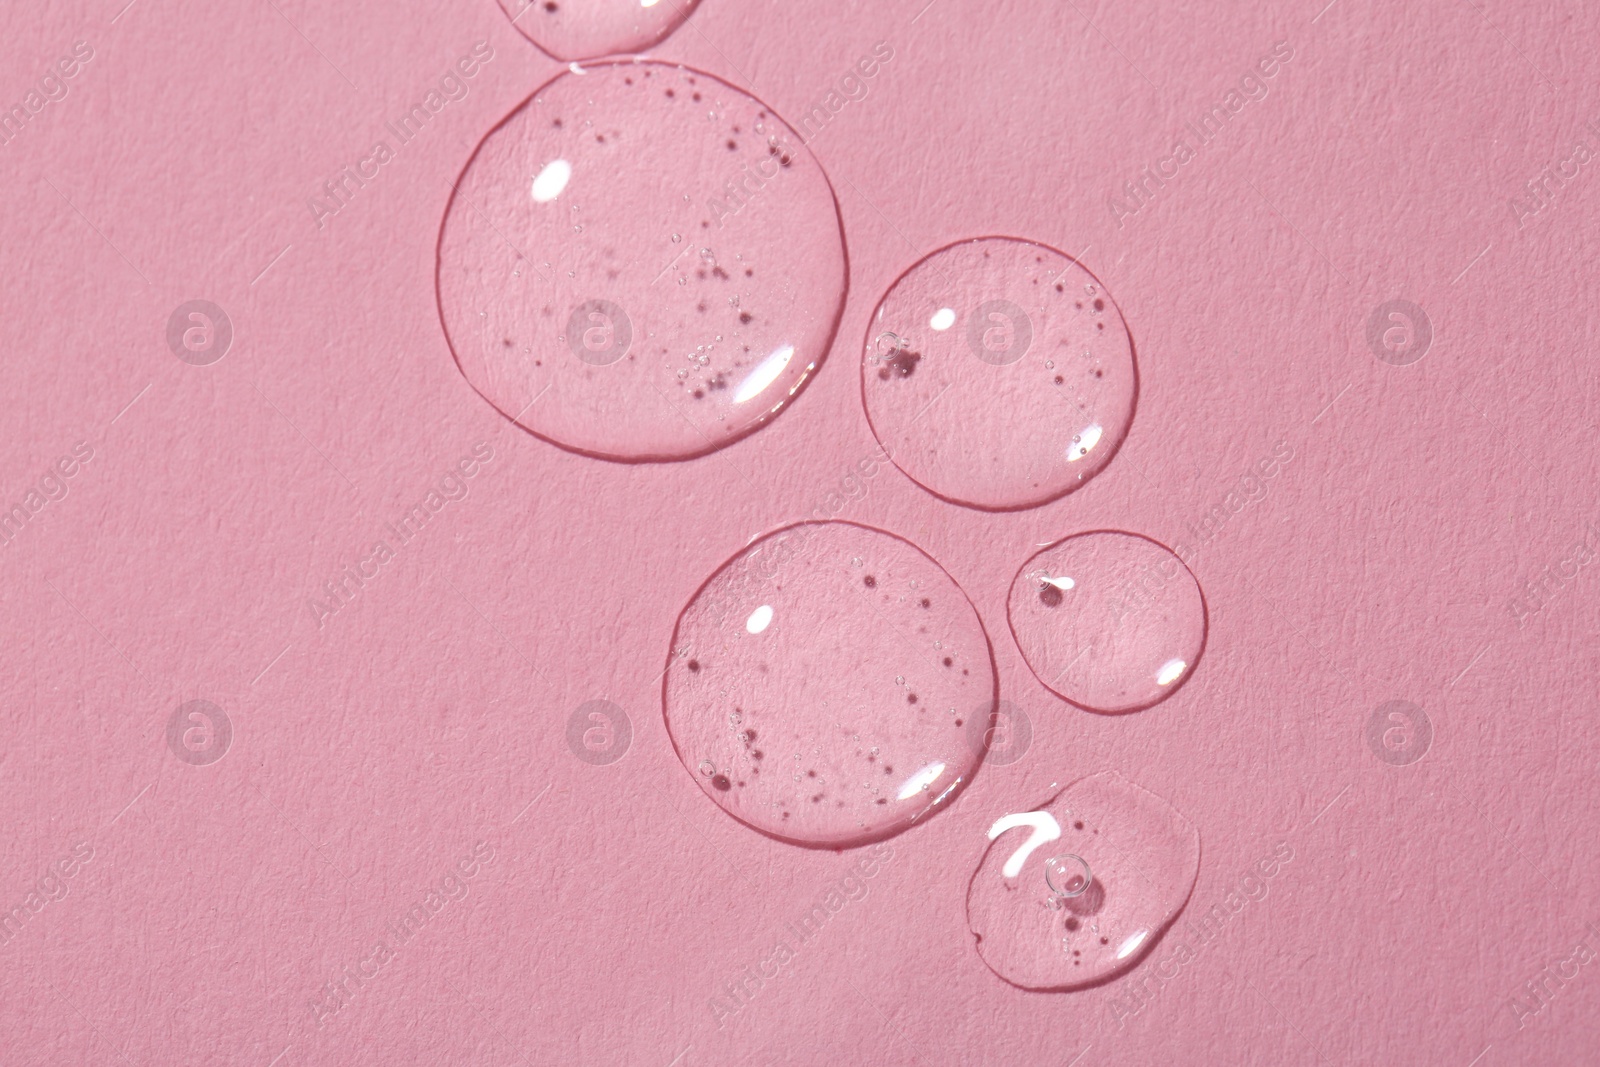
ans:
(951, 788)
(1061, 583)
(1131, 945)
(920, 781)
(943, 319)
(1171, 671)
(551, 180)
(1087, 439)
(759, 619)
(765, 374)
(648, 3)
(1045, 830)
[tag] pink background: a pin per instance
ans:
(372, 753)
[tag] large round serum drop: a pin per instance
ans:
(1111, 621)
(820, 684)
(999, 374)
(641, 263)
(1079, 889)
(583, 29)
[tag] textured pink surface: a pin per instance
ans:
(407, 753)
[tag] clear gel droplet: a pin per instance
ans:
(1144, 857)
(625, 299)
(958, 407)
(820, 675)
(583, 29)
(1111, 621)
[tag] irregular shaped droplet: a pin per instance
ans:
(1078, 890)
(1110, 621)
(999, 374)
(820, 685)
(641, 263)
(584, 29)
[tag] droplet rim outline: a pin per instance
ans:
(1147, 946)
(1167, 693)
(824, 350)
(866, 351)
(644, 46)
(867, 838)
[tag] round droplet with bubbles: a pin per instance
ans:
(1111, 621)
(998, 373)
(641, 263)
(825, 677)
(583, 29)
(1080, 889)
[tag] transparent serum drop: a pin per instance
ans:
(1078, 890)
(1112, 622)
(696, 298)
(999, 374)
(584, 29)
(824, 676)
